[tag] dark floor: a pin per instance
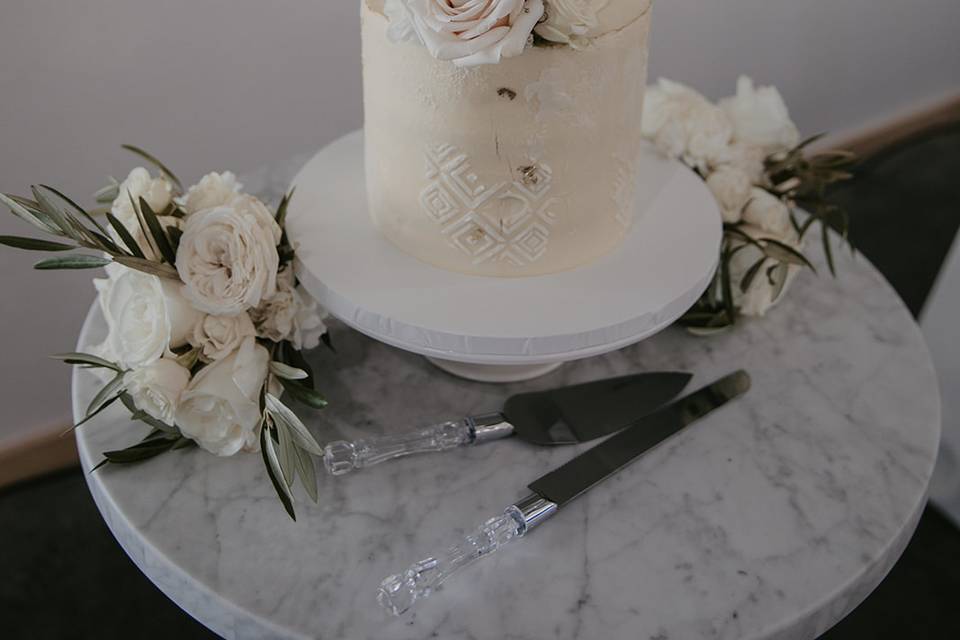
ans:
(905, 210)
(63, 576)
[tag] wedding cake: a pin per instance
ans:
(502, 136)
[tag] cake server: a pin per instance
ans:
(555, 490)
(561, 416)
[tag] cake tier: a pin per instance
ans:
(521, 168)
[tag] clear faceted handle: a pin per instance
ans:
(342, 457)
(399, 592)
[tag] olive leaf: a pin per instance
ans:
(72, 262)
(828, 249)
(83, 212)
(285, 454)
(156, 163)
(783, 252)
(33, 244)
(284, 416)
(114, 387)
(109, 193)
(157, 232)
(65, 220)
(274, 472)
(121, 229)
(293, 357)
(281, 216)
(147, 266)
(727, 289)
(90, 416)
(304, 394)
(86, 359)
(18, 206)
(751, 275)
(307, 472)
(287, 372)
(150, 447)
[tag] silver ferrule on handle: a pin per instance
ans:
(398, 593)
(533, 511)
(342, 457)
(490, 427)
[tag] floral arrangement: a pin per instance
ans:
(749, 152)
(206, 321)
(486, 31)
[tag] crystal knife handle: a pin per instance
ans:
(342, 457)
(398, 593)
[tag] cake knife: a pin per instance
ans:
(555, 490)
(569, 415)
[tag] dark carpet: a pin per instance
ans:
(63, 576)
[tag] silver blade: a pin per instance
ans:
(602, 461)
(584, 412)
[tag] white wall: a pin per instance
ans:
(237, 83)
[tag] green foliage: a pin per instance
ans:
(801, 182)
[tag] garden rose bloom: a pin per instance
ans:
(291, 314)
(760, 117)
(219, 336)
(145, 315)
(732, 188)
(685, 125)
(156, 388)
(568, 21)
(213, 190)
(220, 408)
(228, 257)
(467, 32)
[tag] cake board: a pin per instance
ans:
(502, 329)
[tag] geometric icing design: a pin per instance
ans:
(508, 222)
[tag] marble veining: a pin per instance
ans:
(772, 519)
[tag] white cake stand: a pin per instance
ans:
(502, 329)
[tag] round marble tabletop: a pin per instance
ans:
(772, 519)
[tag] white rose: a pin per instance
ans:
(157, 192)
(220, 408)
(308, 325)
(401, 22)
(213, 190)
(568, 21)
(683, 124)
(760, 117)
(770, 214)
(145, 315)
(748, 159)
(228, 258)
(219, 336)
(761, 294)
(467, 32)
(291, 314)
(156, 388)
(732, 188)
(250, 206)
(140, 184)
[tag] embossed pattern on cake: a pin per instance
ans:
(519, 168)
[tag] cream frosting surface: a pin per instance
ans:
(520, 168)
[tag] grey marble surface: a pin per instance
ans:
(771, 519)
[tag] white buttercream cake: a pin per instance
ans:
(502, 136)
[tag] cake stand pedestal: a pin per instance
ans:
(502, 329)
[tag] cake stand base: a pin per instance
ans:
(501, 373)
(502, 329)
